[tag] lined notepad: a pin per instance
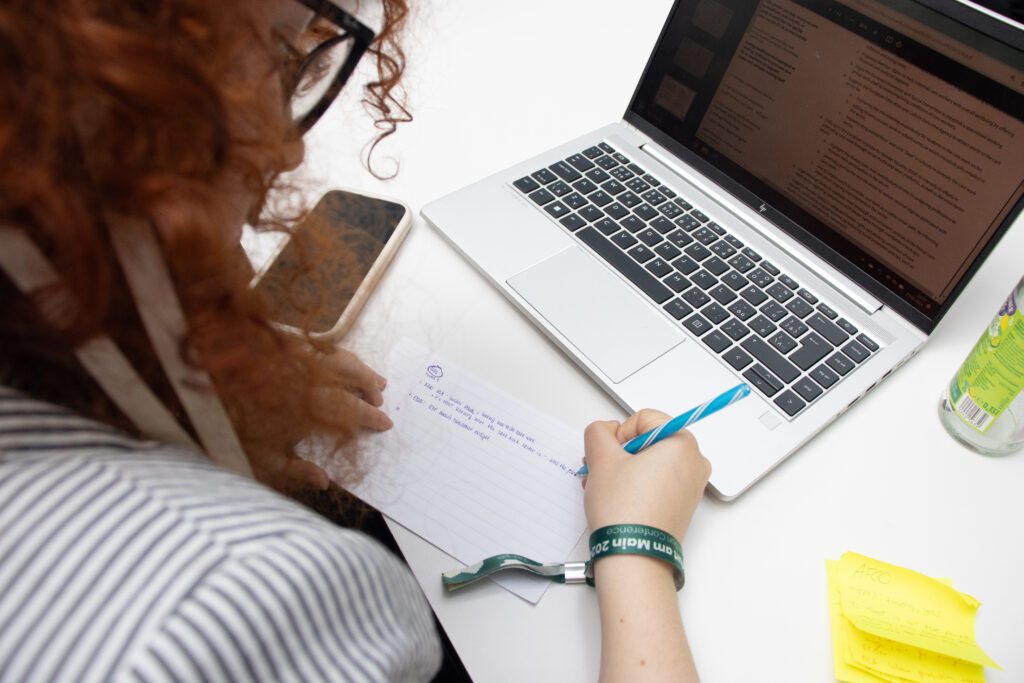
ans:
(472, 470)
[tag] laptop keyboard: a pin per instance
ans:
(772, 331)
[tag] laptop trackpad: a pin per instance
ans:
(597, 312)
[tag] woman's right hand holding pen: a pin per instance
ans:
(641, 628)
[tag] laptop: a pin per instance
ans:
(797, 193)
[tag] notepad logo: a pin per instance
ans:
(435, 372)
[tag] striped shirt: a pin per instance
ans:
(129, 560)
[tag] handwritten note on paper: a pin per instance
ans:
(893, 624)
(472, 470)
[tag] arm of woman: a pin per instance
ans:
(642, 631)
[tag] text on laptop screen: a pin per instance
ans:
(891, 134)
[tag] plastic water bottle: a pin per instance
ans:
(983, 407)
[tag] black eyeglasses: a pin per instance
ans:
(337, 42)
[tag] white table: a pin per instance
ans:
(493, 83)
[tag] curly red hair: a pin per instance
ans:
(140, 108)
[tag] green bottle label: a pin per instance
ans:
(993, 373)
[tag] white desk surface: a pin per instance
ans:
(493, 83)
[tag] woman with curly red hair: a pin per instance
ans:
(136, 138)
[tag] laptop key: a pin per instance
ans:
(827, 329)
(601, 198)
(687, 223)
(629, 268)
(827, 311)
(719, 230)
(584, 186)
(658, 267)
(606, 162)
(771, 358)
(807, 296)
(723, 249)
(735, 329)
(629, 200)
(799, 307)
(653, 197)
(608, 149)
(682, 203)
(641, 253)
(592, 152)
(632, 223)
(734, 241)
(717, 341)
(715, 313)
(840, 363)
(856, 352)
(753, 295)
(742, 310)
(762, 380)
(613, 187)
(789, 282)
(645, 211)
(580, 162)
(794, 326)
(679, 238)
(741, 263)
(790, 403)
(685, 265)
(779, 292)
(751, 254)
(760, 278)
(716, 265)
(556, 209)
(704, 236)
(575, 200)
(678, 308)
(770, 267)
(591, 213)
(734, 280)
(722, 294)
(807, 389)
(624, 239)
(737, 358)
(620, 173)
(823, 376)
(572, 222)
(782, 341)
(867, 342)
(773, 311)
(697, 250)
(762, 325)
(696, 297)
(565, 171)
(559, 188)
(648, 237)
(637, 184)
(526, 184)
(704, 279)
(847, 326)
(697, 324)
(676, 281)
(544, 176)
(667, 251)
(616, 210)
(669, 210)
(662, 225)
(607, 226)
(699, 215)
(812, 349)
(541, 197)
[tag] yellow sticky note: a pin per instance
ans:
(844, 670)
(902, 605)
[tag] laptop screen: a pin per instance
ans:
(885, 136)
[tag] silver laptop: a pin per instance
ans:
(797, 193)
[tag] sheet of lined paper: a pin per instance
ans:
(472, 470)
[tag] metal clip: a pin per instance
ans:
(575, 572)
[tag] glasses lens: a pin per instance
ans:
(318, 75)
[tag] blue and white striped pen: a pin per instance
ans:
(685, 420)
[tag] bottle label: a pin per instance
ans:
(993, 373)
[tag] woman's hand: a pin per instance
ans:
(659, 487)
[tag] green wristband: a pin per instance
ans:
(638, 539)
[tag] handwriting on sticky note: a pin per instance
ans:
(472, 470)
(890, 623)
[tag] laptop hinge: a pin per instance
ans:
(836, 280)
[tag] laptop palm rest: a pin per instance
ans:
(609, 324)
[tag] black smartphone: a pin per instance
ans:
(320, 278)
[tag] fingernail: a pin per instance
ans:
(381, 382)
